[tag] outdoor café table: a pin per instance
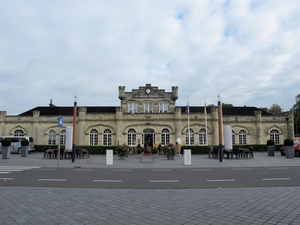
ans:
(243, 152)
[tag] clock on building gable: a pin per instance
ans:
(148, 90)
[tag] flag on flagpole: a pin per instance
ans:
(205, 108)
(187, 109)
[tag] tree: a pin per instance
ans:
(275, 109)
(227, 105)
(296, 111)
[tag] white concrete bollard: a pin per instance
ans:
(187, 157)
(109, 157)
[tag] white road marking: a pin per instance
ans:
(278, 168)
(163, 181)
(7, 178)
(114, 181)
(122, 170)
(268, 179)
(162, 170)
(52, 179)
(225, 180)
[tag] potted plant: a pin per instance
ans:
(122, 151)
(24, 147)
(6, 148)
(154, 152)
(271, 147)
(289, 148)
(170, 151)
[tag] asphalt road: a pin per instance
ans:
(180, 178)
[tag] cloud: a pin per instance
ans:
(246, 51)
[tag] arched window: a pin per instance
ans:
(107, 137)
(94, 137)
(148, 107)
(274, 135)
(189, 137)
(242, 137)
(163, 107)
(52, 137)
(165, 136)
(132, 107)
(18, 133)
(202, 137)
(62, 137)
(131, 137)
(233, 137)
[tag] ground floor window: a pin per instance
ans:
(274, 135)
(242, 137)
(189, 137)
(131, 137)
(107, 137)
(62, 137)
(18, 133)
(94, 137)
(165, 136)
(202, 137)
(52, 137)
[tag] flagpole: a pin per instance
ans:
(189, 121)
(205, 120)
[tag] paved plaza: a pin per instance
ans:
(269, 205)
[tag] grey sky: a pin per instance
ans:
(246, 51)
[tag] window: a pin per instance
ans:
(132, 107)
(189, 137)
(62, 137)
(148, 107)
(163, 107)
(274, 135)
(19, 133)
(107, 137)
(52, 137)
(94, 137)
(242, 137)
(165, 136)
(131, 137)
(202, 137)
(233, 137)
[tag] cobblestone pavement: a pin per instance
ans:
(269, 205)
(189, 206)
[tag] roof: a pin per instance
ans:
(228, 111)
(68, 110)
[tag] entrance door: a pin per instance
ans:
(149, 137)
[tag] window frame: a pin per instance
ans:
(94, 137)
(192, 137)
(163, 107)
(274, 135)
(52, 137)
(148, 107)
(107, 137)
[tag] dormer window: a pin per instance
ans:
(163, 107)
(148, 108)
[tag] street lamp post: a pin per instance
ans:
(220, 129)
(74, 128)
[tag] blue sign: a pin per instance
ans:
(60, 121)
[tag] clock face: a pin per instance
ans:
(148, 91)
